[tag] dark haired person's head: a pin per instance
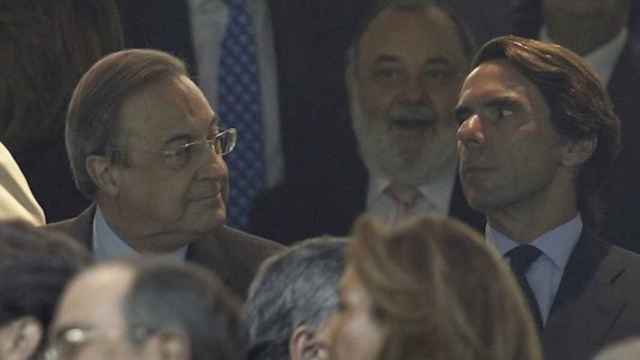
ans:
(430, 289)
(46, 47)
(291, 299)
(534, 115)
(147, 309)
(35, 266)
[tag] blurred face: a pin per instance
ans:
(88, 323)
(403, 87)
(170, 194)
(509, 152)
(355, 333)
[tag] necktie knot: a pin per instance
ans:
(522, 257)
(404, 195)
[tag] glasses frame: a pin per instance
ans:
(227, 137)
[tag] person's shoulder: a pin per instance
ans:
(79, 227)
(244, 239)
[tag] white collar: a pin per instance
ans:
(107, 244)
(557, 244)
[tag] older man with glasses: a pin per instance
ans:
(146, 146)
(146, 309)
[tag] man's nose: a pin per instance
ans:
(214, 166)
(415, 91)
(471, 131)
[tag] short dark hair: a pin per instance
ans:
(466, 36)
(292, 288)
(168, 295)
(46, 47)
(93, 120)
(35, 266)
(580, 108)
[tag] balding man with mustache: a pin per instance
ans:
(405, 67)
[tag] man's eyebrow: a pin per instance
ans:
(386, 58)
(438, 60)
(503, 100)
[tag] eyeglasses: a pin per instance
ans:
(67, 344)
(195, 152)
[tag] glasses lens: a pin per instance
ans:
(226, 141)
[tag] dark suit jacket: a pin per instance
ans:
(292, 212)
(598, 301)
(311, 39)
(621, 196)
(231, 254)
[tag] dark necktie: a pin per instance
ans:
(239, 106)
(521, 258)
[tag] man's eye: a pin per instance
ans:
(499, 112)
(437, 74)
(387, 74)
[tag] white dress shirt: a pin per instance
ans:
(603, 59)
(546, 272)
(208, 24)
(435, 199)
(108, 245)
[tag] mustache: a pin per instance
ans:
(422, 113)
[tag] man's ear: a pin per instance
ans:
(576, 153)
(303, 345)
(103, 173)
(168, 345)
(24, 335)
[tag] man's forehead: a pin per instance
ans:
(499, 76)
(93, 293)
(394, 28)
(167, 109)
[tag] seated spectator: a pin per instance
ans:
(145, 309)
(16, 199)
(147, 147)
(432, 289)
(34, 268)
(624, 350)
(291, 298)
(599, 31)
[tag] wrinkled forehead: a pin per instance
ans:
(500, 76)
(428, 29)
(166, 107)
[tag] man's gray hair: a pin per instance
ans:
(93, 125)
(467, 40)
(296, 287)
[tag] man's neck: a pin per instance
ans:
(143, 238)
(582, 34)
(526, 222)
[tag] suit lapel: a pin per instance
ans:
(586, 305)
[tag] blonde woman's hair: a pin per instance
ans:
(441, 293)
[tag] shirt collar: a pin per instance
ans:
(603, 59)
(108, 245)
(431, 191)
(556, 244)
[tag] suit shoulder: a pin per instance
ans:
(244, 242)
